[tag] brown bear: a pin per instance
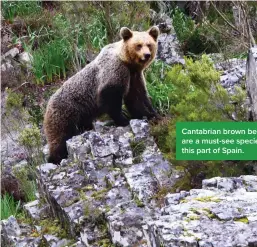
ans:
(116, 74)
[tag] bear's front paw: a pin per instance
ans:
(155, 117)
(121, 121)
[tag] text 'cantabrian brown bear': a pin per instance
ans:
(116, 74)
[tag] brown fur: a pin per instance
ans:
(100, 87)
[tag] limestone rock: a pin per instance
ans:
(113, 189)
(34, 210)
(9, 231)
(169, 50)
(251, 80)
(223, 213)
(233, 73)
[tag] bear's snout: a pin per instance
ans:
(147, 56)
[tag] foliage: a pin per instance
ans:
(59, 39)
(9, 206)
(96, 33)
(49, 61)
(192, 36)
(13, 100)
(52, 226)
(183, 25)
(30, 137)
(197, 96)
(159, 86)
(27, 179)
(10, 9)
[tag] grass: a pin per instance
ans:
(49, 61)
(159, 87)
(137, 147)
(26, 177)
(11, 9)
(9, 206)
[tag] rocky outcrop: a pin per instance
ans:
(222, 213)
(108, 185)
(232, 73)
(251, 80)
(113, 189)
(11, 74)
(168, 45)
(169, 50)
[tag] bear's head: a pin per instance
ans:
(139, 48)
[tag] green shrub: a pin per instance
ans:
(198, 96)
(30, 137)
(193, 37)
(183, 25)
(13, 100)
(9, 206)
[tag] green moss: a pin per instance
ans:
(192, 217)
(122, 209)
(138, 202)
(207, 199)
(107, 209)
(83, 195)
(23, 218)
(87, 188)
(50, 226)
(106, 242)
(137, 160)
(108, 183)
(137, 147)
(243, 220)
(117, 169)
(209, 214)
(94, 215)
(183, 201)
(100, 194)
(70, 202)
(194, 210)
(160, 195)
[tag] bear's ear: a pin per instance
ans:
(125, 33)
(154, 32)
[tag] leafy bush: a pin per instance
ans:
(9, 206)
(183, 25)
(13, 100)
(30, 139)
(197, 96)
(193, 37)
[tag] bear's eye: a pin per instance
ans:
(149, 46)
(139, 47)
